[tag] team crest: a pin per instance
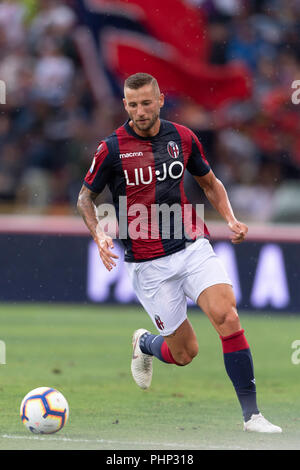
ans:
(173, 149)
(159, 323)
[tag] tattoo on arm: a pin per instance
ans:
(87, 209)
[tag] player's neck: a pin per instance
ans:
(150, 132)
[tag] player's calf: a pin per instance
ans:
(157, 345)
(184, 356)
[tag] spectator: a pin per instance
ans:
(53, 73)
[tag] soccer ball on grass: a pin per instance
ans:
(44, 410)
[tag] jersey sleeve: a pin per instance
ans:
(197, 164)
(100, 170)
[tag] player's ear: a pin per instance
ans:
(161, 100)
(125, 105)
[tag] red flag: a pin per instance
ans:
(208, 85)
(172, 44)
(177, 23)
(174, 22)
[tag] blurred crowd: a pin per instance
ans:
(51, 122)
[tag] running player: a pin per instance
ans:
(144, 162)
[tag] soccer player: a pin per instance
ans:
(143, 162)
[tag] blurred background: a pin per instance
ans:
(226, 68)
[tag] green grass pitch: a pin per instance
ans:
(85, 352)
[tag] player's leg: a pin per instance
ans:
(180, 347)
(210, 288)
(175, 341)
(183, 343)
(158, 287)
(218, 303)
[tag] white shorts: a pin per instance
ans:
(162, 285)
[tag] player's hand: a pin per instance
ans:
(240, 231)
(105, 245)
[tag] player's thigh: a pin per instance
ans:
(183, 342)
(161, 296)
(219, 304)
(203, 268)
(209, 286)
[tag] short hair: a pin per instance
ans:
(140, 79)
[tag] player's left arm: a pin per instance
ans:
(218, 197)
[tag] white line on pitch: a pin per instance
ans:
(105, 441)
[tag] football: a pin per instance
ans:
(44, 410)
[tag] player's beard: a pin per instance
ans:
(148, 124)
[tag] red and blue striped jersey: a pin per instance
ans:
(149, 172)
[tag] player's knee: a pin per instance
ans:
(227, 316)
(185, 357)
(232, 320)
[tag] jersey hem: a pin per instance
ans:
(129, 259)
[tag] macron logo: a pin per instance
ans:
(131, 154)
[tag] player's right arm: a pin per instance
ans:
(87, 209)
(99, 174)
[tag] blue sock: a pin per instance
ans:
(239, 367)
(155, 345)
